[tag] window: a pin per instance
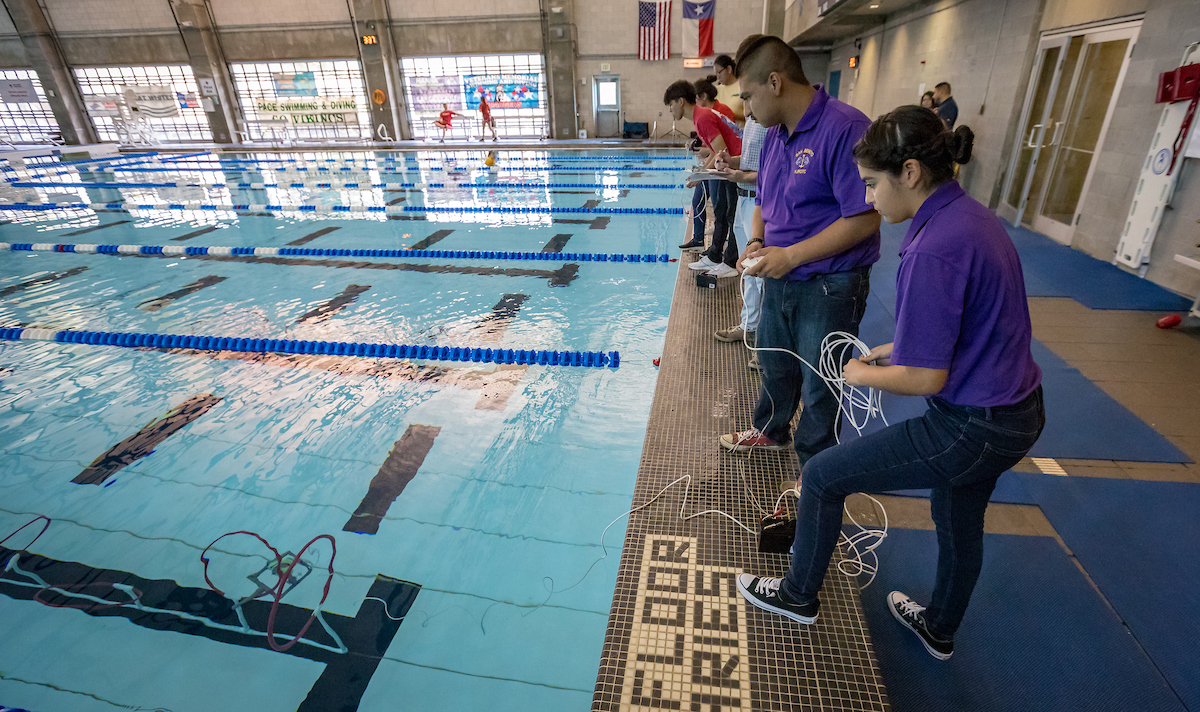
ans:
(337, 79)
(26, 121)
(608, 93)
(190, 125)
(430, 82)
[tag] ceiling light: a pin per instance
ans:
(875, 6)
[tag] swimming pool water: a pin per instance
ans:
(525, 467)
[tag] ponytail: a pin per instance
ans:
(913, 132)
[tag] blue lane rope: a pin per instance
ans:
(406, 159)
(345, 184)
(530, 357)
(181, 165)
(323, 209)
(329, 252)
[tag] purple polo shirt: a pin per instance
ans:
(961, 305)
(808, 180)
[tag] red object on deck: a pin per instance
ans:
(1169, 322)
(657, 361)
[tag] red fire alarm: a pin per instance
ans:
(854, 62)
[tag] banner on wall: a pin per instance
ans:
(187, 101)
(503, 91)
(316, 111)
(298, 84)
(18, 91)
(155, 102)
(429, 93)
(698, 27)
(102, 105)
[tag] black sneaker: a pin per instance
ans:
(911, 616)
(763, 591)
(692, 246)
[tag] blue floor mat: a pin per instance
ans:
(1036, 637)
(1140, 543)
(1009, 490)
(1051, 270)
(1082, 421)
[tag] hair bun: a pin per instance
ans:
(712, 78)
(960, 143)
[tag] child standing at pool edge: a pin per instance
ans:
(963, 342)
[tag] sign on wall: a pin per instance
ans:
(316, 111)
(503, 91)
(156, 102)
(18, 91)
(187, 101)
(299, 84)
(98, 105)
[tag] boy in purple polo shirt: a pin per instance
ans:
(962, 341)
(817, 238)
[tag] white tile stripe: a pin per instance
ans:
(1049, 466)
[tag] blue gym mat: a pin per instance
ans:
(1140, 543)
(1009, 490)
(1036, 636)
(1051, 270)
(1082, 421)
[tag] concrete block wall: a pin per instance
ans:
(1168, 27)
(979, 46)
(608, 33)
(97, 16)
(12, 52)
(235, 13)
(414, 9)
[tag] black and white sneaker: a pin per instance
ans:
(763, 591)
(911, 616)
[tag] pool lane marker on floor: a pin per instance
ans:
(169, 250)
(432, 240)
(143, 442)
(333, 306)
(39, 281)
(530, 357)
(313, 235)
(405, 458)
(334, 209)
(157, 304)
(491, 327)
(197, 233)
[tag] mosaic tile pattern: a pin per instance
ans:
(679, 636)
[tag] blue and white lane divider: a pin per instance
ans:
(329, 252)
(412, 159)
(212, 166)
(337, 185)
(323, 209)
(529, 357)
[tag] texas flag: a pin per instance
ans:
(698, 28)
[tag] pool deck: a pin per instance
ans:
(679, 635)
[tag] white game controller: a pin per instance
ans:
(750, 262)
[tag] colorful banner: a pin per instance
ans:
(98, 105)
(429, 93)
(503, 91)
(698, 28)
(156, 102)
(187, 101)
(316, 111)
(298, 84)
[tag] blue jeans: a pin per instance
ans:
(723, 201)
(958, 451)
(797, 315)
(701, 204)
(752, 287)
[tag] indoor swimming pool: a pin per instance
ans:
(435, 511)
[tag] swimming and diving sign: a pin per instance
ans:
(311, 111)
(502, 91)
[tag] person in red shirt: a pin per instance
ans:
(718, 133)
(444, 119)
(706, 96)
(485, 112)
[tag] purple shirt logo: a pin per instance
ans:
(802, 160)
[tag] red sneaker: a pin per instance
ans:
(750, 439)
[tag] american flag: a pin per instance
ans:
(654, 30)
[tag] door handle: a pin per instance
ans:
(1058, 130)
(1029, 141)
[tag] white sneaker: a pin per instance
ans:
(703, 263)
(723, 271)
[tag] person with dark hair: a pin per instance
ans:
(718, 133)
(927, 101)
(946, 106)
(963, 342)
(706, 96)
(728, 91)
(817, 238)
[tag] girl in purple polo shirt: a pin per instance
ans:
(962, 342)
